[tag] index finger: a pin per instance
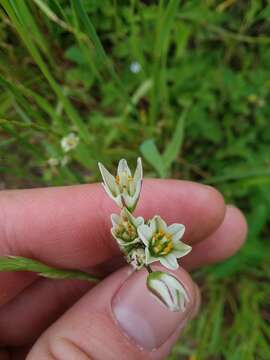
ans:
(69, 226)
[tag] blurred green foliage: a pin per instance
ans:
(184, 83)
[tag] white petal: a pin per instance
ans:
(113, 234)
(139, 221)
(137, 192)
(117, 198)
(149, 259)
(153, 223)
(160, 289)
(123, 167)
(138, 175)
(161, 224)
(145, 233)
(128, 201)
(115, 219)
(177, 231)
(177, 291)
(168, 290)
(108, 179)
(169, 261)
(181, 249)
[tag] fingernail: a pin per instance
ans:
(142, 317)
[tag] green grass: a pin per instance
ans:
(198, 109)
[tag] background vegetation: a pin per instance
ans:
(184, 83)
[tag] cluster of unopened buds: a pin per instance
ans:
(144, 242)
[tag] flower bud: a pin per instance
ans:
(136, 258)
(168, 290)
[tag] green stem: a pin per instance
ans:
(18, 263)
(148, 268)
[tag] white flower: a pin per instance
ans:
(168, 290)
(163, 242)
(64, 161)
(124, 229)
(53, 162)
(136, 258)
(123, 188)
(69, 142)
(135, 67)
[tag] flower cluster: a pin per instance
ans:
(146, 241)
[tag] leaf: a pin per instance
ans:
(152, 155)
(18, 263)
(174, 147)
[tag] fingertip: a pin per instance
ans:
(222, 244)
(201, 208)
(210, 208)
(237, 223)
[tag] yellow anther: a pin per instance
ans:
(169, 237)
(162, 242)
(168, 248)
(117, 180)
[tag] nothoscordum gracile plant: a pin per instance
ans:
(142, 241)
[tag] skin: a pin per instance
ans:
(70, 227)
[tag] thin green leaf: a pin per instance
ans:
(17, 263)
(69, 109)
(173, 149)
(152, 155)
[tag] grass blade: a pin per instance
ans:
(100, 52)
(152, 155)
(173, 149)
(69, 109)
(17, 263)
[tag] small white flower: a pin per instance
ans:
(53, 162)
(124, 229)
(136, 258)
(124, 188)
(162, 242)
(135, 67)
(69, 142)
(168, 290)
(64, 161)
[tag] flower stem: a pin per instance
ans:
(148, 268)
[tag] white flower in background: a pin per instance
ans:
(135, 67)
(53, 162)
(124, 188)
(136, 258)
(69, 142)
(64, 161)
(168, 290)
(124, 229)
(162, 242)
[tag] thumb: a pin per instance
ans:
(118, 319)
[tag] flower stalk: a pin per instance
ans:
(142, 241)
(145, 241)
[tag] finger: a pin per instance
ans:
(118, 319)
(222, 244)
(37, 307)
(75, 221)
(12, 284)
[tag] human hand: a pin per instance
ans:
(68, 227)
